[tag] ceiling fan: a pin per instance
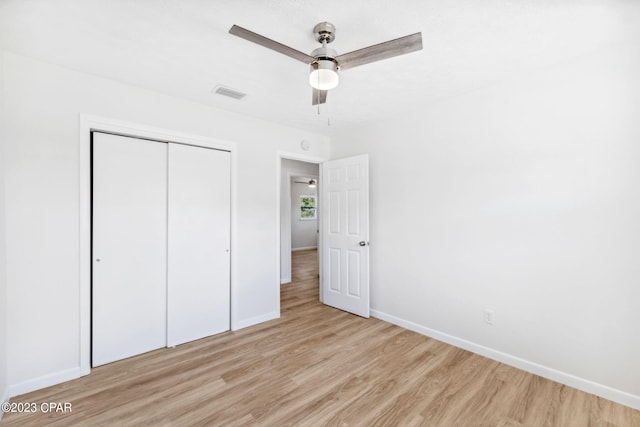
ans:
(311, 183)
(325, 62)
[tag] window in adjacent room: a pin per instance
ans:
(307, 207)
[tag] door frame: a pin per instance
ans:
(303, 158)
(90, 123)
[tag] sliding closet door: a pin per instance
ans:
(199, 239)
(129, 247)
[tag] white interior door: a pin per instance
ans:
(345, 234)
(129, 247)
(199, 238)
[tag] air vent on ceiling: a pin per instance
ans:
(227, 91)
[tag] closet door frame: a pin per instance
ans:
(91, 123)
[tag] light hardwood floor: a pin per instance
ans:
(318, 366)
(304, 266)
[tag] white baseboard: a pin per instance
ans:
(585, 385)
(44, 381)
(241, 324)
(304, 248)
(284, 280)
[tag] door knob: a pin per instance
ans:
(363, 243)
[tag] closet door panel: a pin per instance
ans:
(198, 243)
(129, 247)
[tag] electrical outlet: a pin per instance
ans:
(489, 316)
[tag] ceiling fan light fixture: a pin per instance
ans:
(324, 74)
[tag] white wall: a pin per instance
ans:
(289, 168)
(521, 198)
(4, 383)
(42, 197)
(304, 233)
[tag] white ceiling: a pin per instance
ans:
(182, 47)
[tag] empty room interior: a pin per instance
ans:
(320, 213)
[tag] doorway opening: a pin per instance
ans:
(299, 221)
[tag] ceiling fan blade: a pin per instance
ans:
(270, 44)
(319, 97)
(377, 52)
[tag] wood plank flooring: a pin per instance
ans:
(304, 265)
(318, 366)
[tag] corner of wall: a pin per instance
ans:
(4, 384)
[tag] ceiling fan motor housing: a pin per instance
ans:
(325, 53)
